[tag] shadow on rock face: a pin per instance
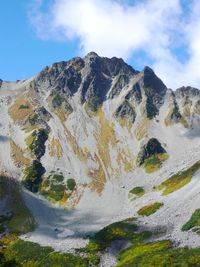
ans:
(4, 138)
(193, 133)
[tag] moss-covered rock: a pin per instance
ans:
(151, 148)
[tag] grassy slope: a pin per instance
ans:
(179, 179)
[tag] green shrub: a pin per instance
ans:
(54, 187)
(138, 191)
(129, 256)
(57, 191)
(58, 177)
(8, 263)
(23, 107)
(71, 184)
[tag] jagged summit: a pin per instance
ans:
(92, 54)
(187, 91)
(98, 78)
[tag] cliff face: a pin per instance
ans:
(74, 133)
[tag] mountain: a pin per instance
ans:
(90, 142)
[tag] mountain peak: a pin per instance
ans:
(148, 70)
(151, 80)
(91, 55)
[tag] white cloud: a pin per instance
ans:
(116, 28)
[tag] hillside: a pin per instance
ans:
(92, 142)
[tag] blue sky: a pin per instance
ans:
(162, 34)
(22, 53)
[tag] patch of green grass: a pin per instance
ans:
(149, 209)
(23, 107)
(129, 256)
(178, 180)
(8, 263)
(193, 221)
(138, 191)
(29, 254)
(24, 251)
(154, 162)
(159, 254)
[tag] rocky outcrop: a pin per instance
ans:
(135, 95)
(154, 90)
(125, 110)
(152, 147)
(92, 76)
(60, 100)
(187, 91)
(33, 176)
(64, 77)
(99, 73)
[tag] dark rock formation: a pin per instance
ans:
(155, 91)
(125, 110)
(33, 176)
(152, 147)
(187, 91)
(135, 94)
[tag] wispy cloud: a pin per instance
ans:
(167, 32)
